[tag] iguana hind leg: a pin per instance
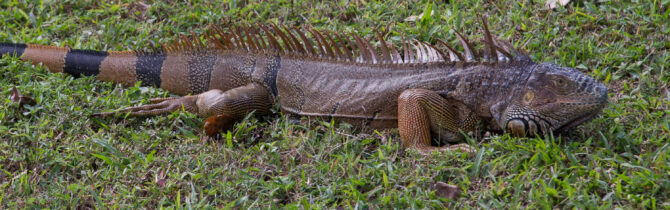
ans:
(422, 112)
(222, 108)
(222, 111)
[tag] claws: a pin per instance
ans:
(214, 124)
(158, 106)
(158, 100)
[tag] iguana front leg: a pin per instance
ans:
(422, 112)
(221, 107)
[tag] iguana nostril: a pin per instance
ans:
(517, 128)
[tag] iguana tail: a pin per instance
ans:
(125, 67)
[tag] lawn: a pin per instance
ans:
(53, 154)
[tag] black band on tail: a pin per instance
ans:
(84, 62)
(148, 68)
(12, 49)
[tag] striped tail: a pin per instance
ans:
(125, 67)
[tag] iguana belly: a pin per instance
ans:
(339, 99)
(364, 96)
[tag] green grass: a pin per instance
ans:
(54, 155)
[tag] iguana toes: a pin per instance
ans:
(427, 92)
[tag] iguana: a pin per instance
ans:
(426, 91)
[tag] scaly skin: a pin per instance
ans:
(427, 96)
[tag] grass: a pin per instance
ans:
(52, 154)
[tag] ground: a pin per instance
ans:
(53, 154)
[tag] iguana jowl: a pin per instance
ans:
(423, 90)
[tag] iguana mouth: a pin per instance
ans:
(575, 122)
(601, 101)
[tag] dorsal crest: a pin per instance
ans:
(328, 45)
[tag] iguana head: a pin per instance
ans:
(553, 99)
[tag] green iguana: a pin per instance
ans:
(427, 92)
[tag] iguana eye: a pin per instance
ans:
(559, 82)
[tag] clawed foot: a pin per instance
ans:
(158, 106)
(213, 125)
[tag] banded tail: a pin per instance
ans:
(125, 67)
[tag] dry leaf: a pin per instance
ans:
(21, 99)
(414, 18)
(445, 190)
(555, 3)
(141, 8)
(160, 179)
